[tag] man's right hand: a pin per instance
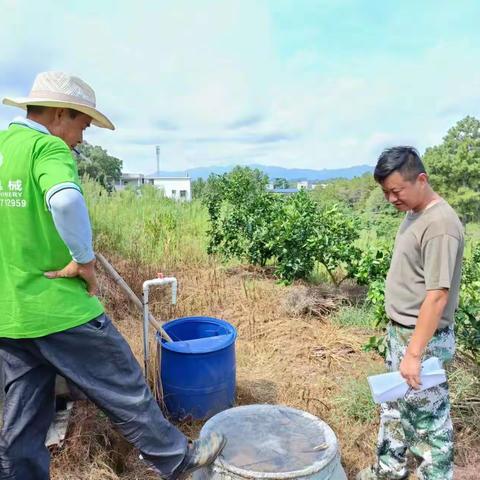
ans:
(86, 271)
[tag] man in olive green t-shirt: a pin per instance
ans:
(421, 296)
(50, 318)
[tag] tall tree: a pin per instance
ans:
(454, 167)
(281, 183)
(95, 162)
(353, 193)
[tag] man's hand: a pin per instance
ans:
(410, 370)
(82, 270)
(427, 323)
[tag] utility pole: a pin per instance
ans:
(157, 151)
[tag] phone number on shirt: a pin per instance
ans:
(16, 203)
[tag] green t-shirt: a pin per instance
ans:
(31, 305)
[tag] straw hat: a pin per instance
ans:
(58, 89)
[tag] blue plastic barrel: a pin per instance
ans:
(198, 367)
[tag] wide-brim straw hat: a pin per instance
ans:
(60, 90)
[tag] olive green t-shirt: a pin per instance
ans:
(31, 305)
(427, 256)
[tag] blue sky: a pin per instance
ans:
(313, 84)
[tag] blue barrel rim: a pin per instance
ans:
(180, 346)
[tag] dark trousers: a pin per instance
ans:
(97, 359)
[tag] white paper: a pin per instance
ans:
(388, 387)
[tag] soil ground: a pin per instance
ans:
(288, 352)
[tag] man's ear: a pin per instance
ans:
(60, 113)
(423, 178)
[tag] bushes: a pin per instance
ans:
(292, 232)
(240, 212)
(467, 318)
(295, 229)
(335, 241)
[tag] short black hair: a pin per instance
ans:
(39, 109)
(404, 160)
(35, 109)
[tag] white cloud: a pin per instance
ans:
(208, 82)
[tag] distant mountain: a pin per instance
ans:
(275, 172)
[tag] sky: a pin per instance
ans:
(292, 83)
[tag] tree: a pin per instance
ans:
(454, 167)
(352, 193)
(380, 216)
(281, 183)
(95, 162)
(336, 233)
(295, 231)
(230, 198)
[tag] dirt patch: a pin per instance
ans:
(284, 356)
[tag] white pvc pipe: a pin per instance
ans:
(155, 282)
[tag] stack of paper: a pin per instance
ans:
(388, 387)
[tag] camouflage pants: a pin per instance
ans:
(421, 421)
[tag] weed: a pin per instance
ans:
(349, 316)
(355, 400)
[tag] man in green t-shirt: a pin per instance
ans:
(50, 319)
(421, 295)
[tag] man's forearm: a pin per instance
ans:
(428, 320)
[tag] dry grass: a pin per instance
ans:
(288, 352)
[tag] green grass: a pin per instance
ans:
(351, 316)
(472, 236)
(319, 275)
(472, 231)
(148, 227)
(355, 400)
(464, 385)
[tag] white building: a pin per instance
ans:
(130, 180)
(178, 188)
(303, 184)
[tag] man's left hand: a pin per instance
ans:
(82, 270)
(410, 368)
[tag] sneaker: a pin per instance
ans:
(200, 453)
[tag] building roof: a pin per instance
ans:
(167, 174)
(151, 177)
(132, 175)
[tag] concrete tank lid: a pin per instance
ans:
(273, 441)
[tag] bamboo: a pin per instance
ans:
(130, 294)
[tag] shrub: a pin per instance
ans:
(467, 317)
